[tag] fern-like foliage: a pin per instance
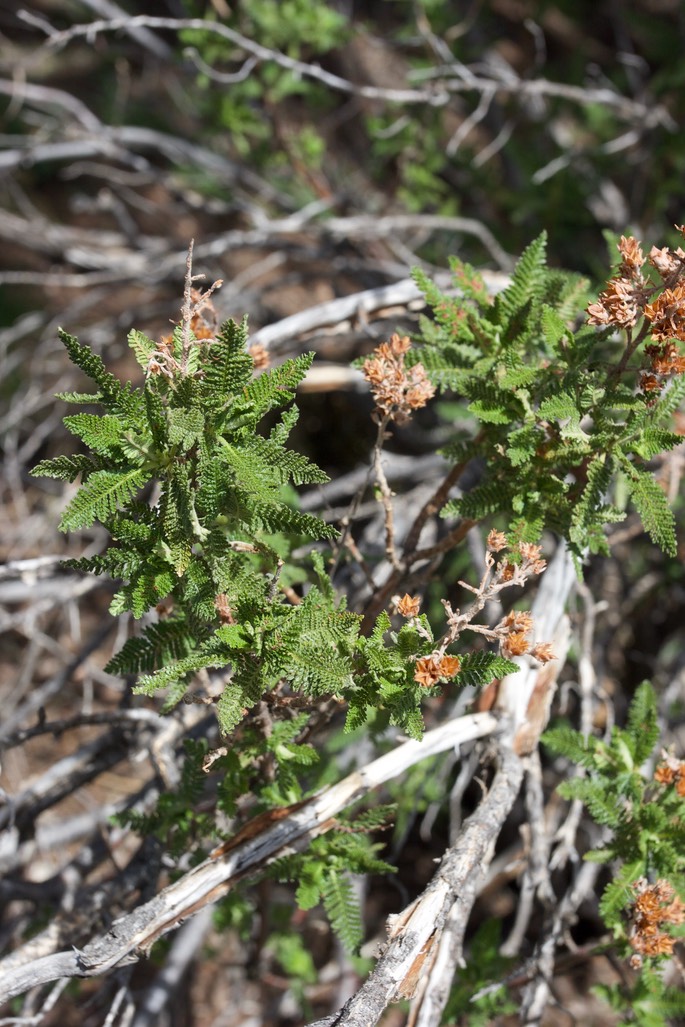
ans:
(646, 818)
(192, 431)
(558, 427)
(323, 875)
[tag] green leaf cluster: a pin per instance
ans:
(323, 873)
(545, 401)
(644, 1002)
(197, 503)
(646, 820)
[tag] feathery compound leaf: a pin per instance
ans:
(79, 397)
(588, 515)
(654, 441)
(103, 434)
(642, 722)
(652, 506)
(64, 467)
(228, 368)
(342, 908)
(100, 496)
(571, 744)
(490, 497)
(113, 393)
(147, 586)
(526, 283)
(276, 388)
(118, 563)
(177, 670)
(554, 327)
(288, 465)
(186, 427)
(142, 347)
(278, 517)
(159, 644)
(478, 669)
(156, 417)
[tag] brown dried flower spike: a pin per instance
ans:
(396, 389)
(655, 905)
(626, 300)
(429, 669)
(408, 606)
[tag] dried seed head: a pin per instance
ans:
(408, 606)
(397, 389)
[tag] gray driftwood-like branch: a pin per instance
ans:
(416, 932)
(369, 303)
(440, 83)
(259, 843)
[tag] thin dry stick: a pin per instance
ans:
(381, 597)
(435, 94)
(436, 502)
(386, 493)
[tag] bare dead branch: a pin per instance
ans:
(415, 933)
(442, 83)
(276, 835)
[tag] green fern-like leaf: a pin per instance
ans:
(228, 367)
(159, 644)
(488, 498)
(148, 585)
(186, 428)
(177, 670)
(276, 388)
(278, 517)
(654, 441)
(114, 394)
(601, 803)
(65, 467)
(642, 722)
(526, 283)
(652, 506)
(343, 909)
(563, 740)
(102, 434)
(479, 669)
(142, 346)
(101, 496)
(618, 895)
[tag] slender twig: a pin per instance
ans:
(436, 94)
(386, 494)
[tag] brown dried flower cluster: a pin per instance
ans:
(496, 541)
(408, 606)
(511, 633)
(671, 771)
(531, 563)
(514, 641)
(397, 389)
(430, 669)
(626, 299)
(655, 905)
(223, 608)
(203, 322)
